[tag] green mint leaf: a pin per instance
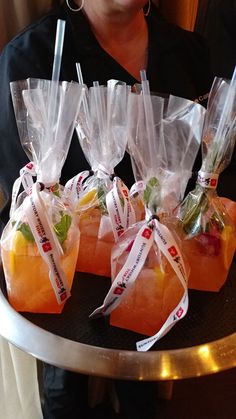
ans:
(101, 194)
(24, 228)
(61, 228)
(151, 194)
(55, 189)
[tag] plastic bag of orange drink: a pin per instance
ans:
(39, 244)
(102, 134)
(208, 230)
(149, 290)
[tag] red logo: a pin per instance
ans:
(179, 312)
(46, 247)
(147, 233)
(118, 290)
(29, 166)
(172, 250)
(213, 183)
(63, 296)
(125, 193)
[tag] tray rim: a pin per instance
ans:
(163, 365)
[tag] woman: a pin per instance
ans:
(110, 39)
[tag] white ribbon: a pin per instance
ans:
(168, 246)
(121, 217)
(26, 180)
(46, 242)
(74, 186)
(137, 187)
(208, 180)
(141, 246)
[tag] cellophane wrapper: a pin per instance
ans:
(45, 134)
(163, 143)
(101, 130)
(209, 237)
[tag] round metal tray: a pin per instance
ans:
(203, 342)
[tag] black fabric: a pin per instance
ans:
(139, 399)
(65, 394)
(216, 22)
(177, 64)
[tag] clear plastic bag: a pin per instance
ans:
(149, 291)
(40, 242)
(209, 233)
(102, 126)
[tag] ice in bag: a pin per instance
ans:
(209, 233)
(102, 134)
(40, 242)
(149, 290)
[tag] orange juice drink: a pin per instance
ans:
(94, 252)
(96, 237)
(28, 285)
(153, 296)
(210, 256)
(208, 238)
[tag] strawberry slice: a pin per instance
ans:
(209, 244)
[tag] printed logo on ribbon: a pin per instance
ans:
(172, 251)
(30, 166)
(46, 246)
(208, 180)
(147, 233)
(180, 312)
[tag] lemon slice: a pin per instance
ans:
(19, 246)
(88, 199)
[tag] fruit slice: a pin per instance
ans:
(89, 198)
(19, 246)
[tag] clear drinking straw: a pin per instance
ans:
(100, 107)
(56, 73)
(148, 110)
(79, 73)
